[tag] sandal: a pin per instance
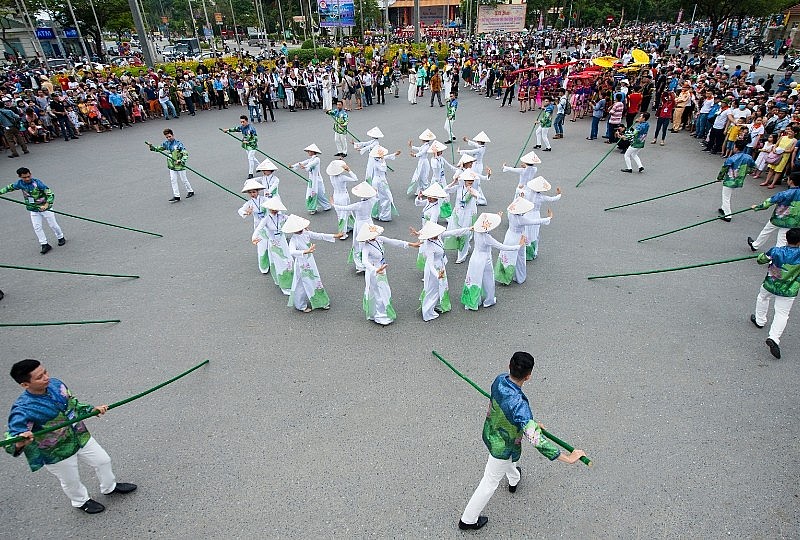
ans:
(764, 184)
(307, 310)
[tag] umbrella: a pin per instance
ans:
(640, 57)
(605, 61)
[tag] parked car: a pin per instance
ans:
(93, 66)
(125, 61)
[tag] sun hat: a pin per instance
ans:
(436, 147)
(482, 137)
(335, 167)
(378, 152)
(486, 222)
(427, 135)
(520, 206)
(375, 133)
(530, 159)
(251, 185)
(465, 158)
(267, 165)
(364, 191)
(294, 224)
(368, 231)
(435, 190)
(312, 148)
(539, 184)
(430, 230)
(468, 176)
(274, 203)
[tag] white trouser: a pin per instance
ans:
(252, 161)
(633, 153)
(464, 251)
(541, 135)
(726, 199)
(494, 472)
(36, 219)
(173, 177)
(341, 142)
(766, 231)
(783, 305)
(67, 472)
(449, 128)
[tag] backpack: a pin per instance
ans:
(567, 108)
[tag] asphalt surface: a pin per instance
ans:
(327, 425)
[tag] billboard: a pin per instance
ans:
(45, 33)
(501, 18)
(333, 13)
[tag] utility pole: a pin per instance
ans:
(55, 29)
(144, 39)
(210, 28)
(34, 41)
(80, 35)
(416, 21)
(102, 51)
(235, 30)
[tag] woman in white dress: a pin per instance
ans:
(270, 236)
(365, 147)
(464, 211)
(254, 207)
(340, 174)
(439, 175)
(362, 211)
(412, 86)
(526, 173)
(307, 291)
(479, 283)
(435, 296)
(477, 151)
(315, 190)
(421, 176)
(268, 178)
(327, 92)
(510, 265)
(535, 192)
(377, 300)
(431, 200)
(384, 207)
(465, 163)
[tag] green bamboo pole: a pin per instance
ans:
(450, 138)
(699, 265)
(65, 271)
(60, 323)
(566, 446)
(359, 140)
(82, 417)
(613, 147)
(300, 176)
(201, 175)
(524, 146)
(91, 220)
(695, 225)
(660, 196)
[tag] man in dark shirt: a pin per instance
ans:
(59, 108)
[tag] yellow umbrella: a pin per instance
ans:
(605, 61)
(640, 57)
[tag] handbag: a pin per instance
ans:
(773, 158)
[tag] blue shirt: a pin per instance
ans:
(115, 99)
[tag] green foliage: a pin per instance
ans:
(307, 44)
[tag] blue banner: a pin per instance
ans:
(45, 33)
(333, 13)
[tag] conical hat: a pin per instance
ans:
(312, 148)
(465, 158)
(539, 184)
(530, 159)
(378, 152)
(267, 165)
(520, 206)
(295, 224)
(368, 231)
(482, 137)
(468, 176)
(364, 190)
(427, 135)
(430, 230)
(274, 203)
(436, 146)
(435, 190)
(251, 185)
(486, 222)
(375, 133)
(335, 167)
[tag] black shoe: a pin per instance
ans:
(46, 248)
(720, 211)
(641, 169)
(750, 243)
(725, 219)
(191, 193)
(627, 170)
(249, 176)
(124, 487)
(513, 489)
(547, 150)
(92, 507)
(773, 348)
(538, 146)
(483, 520)
(175, 199)
(62, 241)
(753, 320)
(455, 139)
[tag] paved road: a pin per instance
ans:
(326, 425)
